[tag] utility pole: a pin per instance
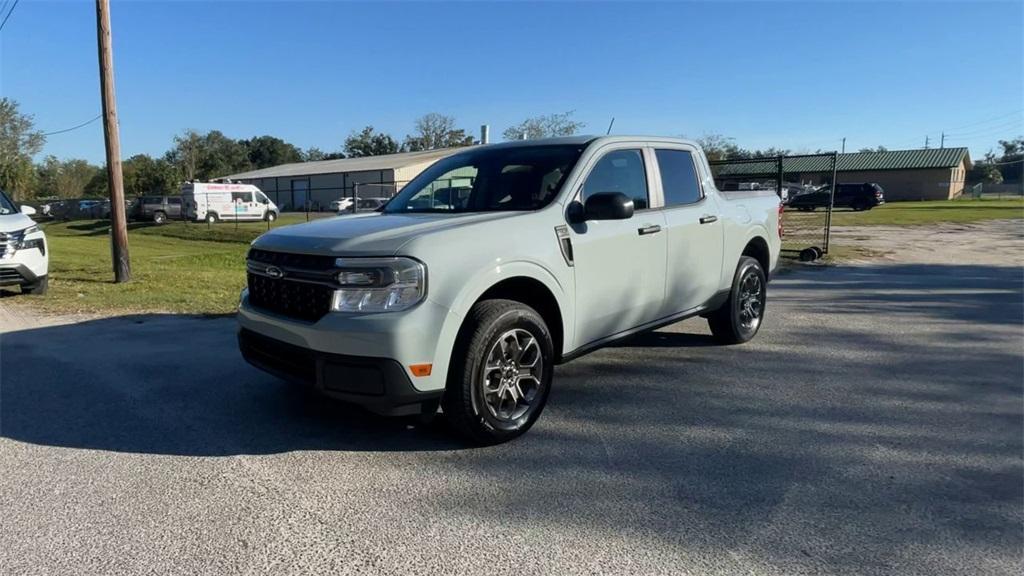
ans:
(118, 221)
(844, 144)
(942, 142)
(925, 142)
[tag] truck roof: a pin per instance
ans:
(583, 140)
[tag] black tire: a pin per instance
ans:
(39, 287)
(271, 216)
(211, 218)
(806, 208)
(159, 218)
(731, 324)
(467, 408)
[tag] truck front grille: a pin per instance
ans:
(304, 261)
(299, 300)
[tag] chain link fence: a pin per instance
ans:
(804, 184)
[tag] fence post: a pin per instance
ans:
(781, 177)
(831, 203)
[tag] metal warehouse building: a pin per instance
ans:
(292, 186)
(923, 174)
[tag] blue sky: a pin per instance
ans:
(793, 75)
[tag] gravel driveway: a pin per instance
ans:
(874, 427)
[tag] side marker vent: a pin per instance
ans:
(564, 243)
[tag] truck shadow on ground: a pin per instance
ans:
(168, 384)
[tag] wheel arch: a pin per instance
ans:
(525, 282)
(757, 248)
(536, 295)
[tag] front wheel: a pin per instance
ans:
(271, 216)
(738, 320)
(159, 218)
(501, 372)
(211, 218)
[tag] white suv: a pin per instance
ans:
(23, 250)
(499, 262)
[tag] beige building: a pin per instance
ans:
(319, 183)
(923, 174)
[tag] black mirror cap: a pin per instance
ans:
(608, 206)
(575, 213)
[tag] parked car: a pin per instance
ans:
(23, 252)
(862, 196)
(341, 205)
(345, 205)
(214, 201)
(159, 209)
(560, 247)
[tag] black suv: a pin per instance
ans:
(862, 196)
(156, 208)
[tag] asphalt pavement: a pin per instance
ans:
(875, 426)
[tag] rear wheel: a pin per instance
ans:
(211, 218)
(159, 217)
(739, 319)
(38, 287)
(501, 372)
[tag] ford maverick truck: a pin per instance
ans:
(497, 263)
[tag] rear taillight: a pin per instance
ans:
(781, 207)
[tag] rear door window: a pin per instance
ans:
(679, 181)
(619, 171)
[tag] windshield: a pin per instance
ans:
(6, 206)
(489, 180)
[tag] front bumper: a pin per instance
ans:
(380, 385)
(24, 266)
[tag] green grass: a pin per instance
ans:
(195, 268)
(169, 274)
(911, 213)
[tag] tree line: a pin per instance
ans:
(203, 156)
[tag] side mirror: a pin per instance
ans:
(608, 206)
(28, 210)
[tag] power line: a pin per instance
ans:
(980, 122)
(986, 131)
(1000, 163)
(86, 123)
(13, 6)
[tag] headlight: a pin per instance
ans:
(16, 241)
(378, 284)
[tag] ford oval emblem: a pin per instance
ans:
(274, 272)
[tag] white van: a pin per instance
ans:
(212, 201)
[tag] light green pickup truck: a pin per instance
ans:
(463, 298)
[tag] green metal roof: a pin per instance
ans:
(853, 162)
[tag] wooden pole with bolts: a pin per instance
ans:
(118, 218)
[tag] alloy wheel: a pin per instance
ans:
(512, 377)
(751, 300)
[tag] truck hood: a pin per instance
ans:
(15, 222)
(373, 234)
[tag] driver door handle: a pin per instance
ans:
(652, 229)
(708, 219)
